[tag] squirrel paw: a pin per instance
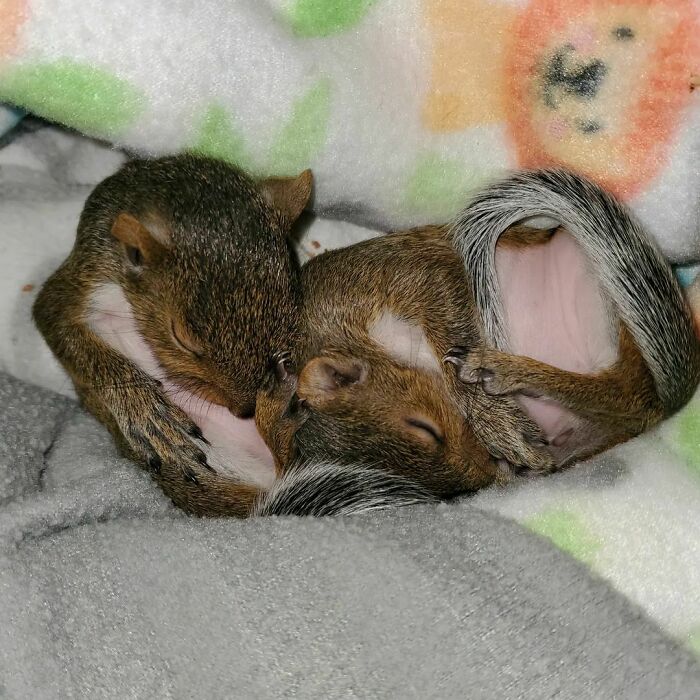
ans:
(506, 431)
(491, 369)
(159, 433)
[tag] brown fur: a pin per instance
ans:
(211, 495)
(418, 276)
(520, 236)
(614, 404)
(379, 414)
(351, 403)
(182, 237)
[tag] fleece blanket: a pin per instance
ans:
(107, 592)
(401, 107)
(632, 516)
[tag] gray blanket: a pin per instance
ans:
(108, 592)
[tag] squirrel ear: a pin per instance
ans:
(323, 376)
(143, 244)
(288, 195)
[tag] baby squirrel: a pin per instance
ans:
(377, 319)
(198, 254)
(375, 415)
(386, 322)
(616, 311)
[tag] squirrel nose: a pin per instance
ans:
(242, 408)
(245, 411)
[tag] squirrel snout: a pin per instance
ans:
(242, 405)
(248, 411)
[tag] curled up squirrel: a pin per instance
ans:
(179, 290)
(181, 310)
(580, 325)
(179, 298)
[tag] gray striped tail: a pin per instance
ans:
(632, 271)
(319, 489)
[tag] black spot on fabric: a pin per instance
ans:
(589, 126)
(623, 33)
(565, 76)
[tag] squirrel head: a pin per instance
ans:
(204, 259)
(372, 411)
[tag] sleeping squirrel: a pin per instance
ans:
(375, 416)
(193, 256)
(583, 322)
(605, 342)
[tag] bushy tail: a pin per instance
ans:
(631, 269)
(322, 488)
(315, 489)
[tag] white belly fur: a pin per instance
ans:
(236, 449)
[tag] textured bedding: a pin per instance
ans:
(401, 107)
(107, 591)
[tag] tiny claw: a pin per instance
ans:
(190, 476)
(284, 365)
(478, 375)
(456, 351)
(154, 464)
(197, 434)
(202, 459)
(295, 406)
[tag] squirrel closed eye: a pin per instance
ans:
(183, 340)
(133, 255)
(425, 429)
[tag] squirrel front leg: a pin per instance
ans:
(501, 425)
(498, 422)
(148, 427)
